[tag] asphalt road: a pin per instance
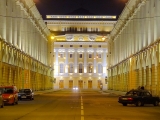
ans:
(77, 105)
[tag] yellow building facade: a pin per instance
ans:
(135, 48)
(80, 50)
(25, 58)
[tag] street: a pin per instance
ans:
(77, 105)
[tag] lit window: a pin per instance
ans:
(61, 68)
(100, 68)
(90, 68)
(99, 55)
(61, 55)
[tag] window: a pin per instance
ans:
(90, 55)
(61, 68)
(90, 68)
(61, 45)
(80, 46)
(90, 45)
(99, 55)
(70, 68)
(80, 68)
(100, 68)
(71, 55)
(99, 46)
(71, 45)
(61, 55)
(80, 55)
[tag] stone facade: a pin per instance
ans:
(135, 48)
(24, 50)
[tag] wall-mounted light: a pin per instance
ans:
(52, 37)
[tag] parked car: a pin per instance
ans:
(9, 94)
(138, 97)
(1, 100)
(25, 94)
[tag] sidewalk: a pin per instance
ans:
(114, 93)
(43, 91)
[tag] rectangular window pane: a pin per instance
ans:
(80, 55)
(90, 55)
(71, 55)
(99, 55)
(61, 68)
(80, 68)
(71, 68)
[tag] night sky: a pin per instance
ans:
(65, 7)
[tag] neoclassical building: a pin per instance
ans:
(80, 49)
(84, 51)
(135, 48)
(25, 45)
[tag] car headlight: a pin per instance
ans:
(11, 96)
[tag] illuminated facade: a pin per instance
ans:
(25, 59)
(80, 50)
(135, 47)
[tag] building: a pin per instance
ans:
(25, 60)
(80, 49)
(135, 49)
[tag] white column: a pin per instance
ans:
(18, 20)
(14, 24)
(104, 61)
(158, 18)
(56, 63)
(85, 61)
(9, 21)
(66, 61)
(95, 62)
(75, 61)
(3, 19)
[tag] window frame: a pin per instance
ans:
(80, 68)
(80, 55)
(61, 70)
(90, 55)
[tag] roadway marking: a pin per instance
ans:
(82, 109)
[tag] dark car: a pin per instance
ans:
(139, 98)
(25, 94)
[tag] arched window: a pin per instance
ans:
(61, 68)
(90, 68)
(100, 68)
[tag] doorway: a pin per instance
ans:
(90, 84)
(61, 84)
(80, 84)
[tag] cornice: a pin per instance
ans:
(80, 43)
